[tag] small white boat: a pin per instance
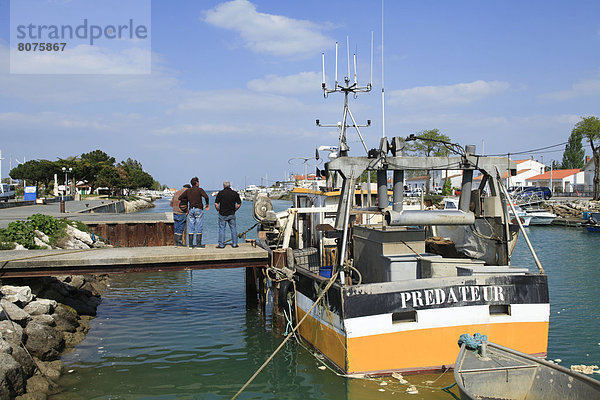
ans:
(522, 214)
(540, 217)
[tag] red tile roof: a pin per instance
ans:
(556, 174)
(418, 178)
(311, 177)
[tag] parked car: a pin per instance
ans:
(512, 190)
(542, 192)
(7, 191)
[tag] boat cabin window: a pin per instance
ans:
(500, 309)
(405, 316)
(450, 205)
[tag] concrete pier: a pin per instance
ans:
(78, 211)
(20, 263)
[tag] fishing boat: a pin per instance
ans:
(378, 288)
(497, 372)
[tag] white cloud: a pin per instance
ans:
(447, 95)
(427, 121)
(547, 121)
(269, 33)
(112, 122)
(589, 87)
(303, 82)
(236, 101)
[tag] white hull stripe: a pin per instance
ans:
(426, 319)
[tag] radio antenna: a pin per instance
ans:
(347, 87)
(371, 78)
(336, 62)
(382, 85)
(348, 54)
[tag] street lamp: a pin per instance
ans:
(66, 171)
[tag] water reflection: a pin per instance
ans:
(178, 335)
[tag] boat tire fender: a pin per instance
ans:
(285, 289)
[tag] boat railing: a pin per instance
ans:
(528, 199)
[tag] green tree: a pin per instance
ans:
(589, 128)
(114, 178)
(574, 154)
(137, 178)
(447, 188)
(372, 175)
(90, 165)
(156, 185)
(36, 172)
(430, 143)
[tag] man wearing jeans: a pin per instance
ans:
(227, 203)
(179, 215)
(193, 196)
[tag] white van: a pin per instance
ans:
(7, 191)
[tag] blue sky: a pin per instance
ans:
(235, 86)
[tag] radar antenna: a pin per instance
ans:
(347, 87)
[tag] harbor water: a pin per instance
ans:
(189, 335)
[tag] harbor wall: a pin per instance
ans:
(114, 207)
(134, 234)
(571, 209)
(121, 206)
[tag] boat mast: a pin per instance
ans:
(347, 190)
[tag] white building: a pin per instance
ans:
(454, 175)
(560, 180)
(588, 174)
(525, 169)
(416, 182)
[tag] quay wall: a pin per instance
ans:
(571, 209)
(115, 207)
(134, 234)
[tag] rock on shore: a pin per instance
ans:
(75, 239)
(571, 208)
(137, 205)
(41, 318)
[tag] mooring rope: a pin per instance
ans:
(331, 282)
